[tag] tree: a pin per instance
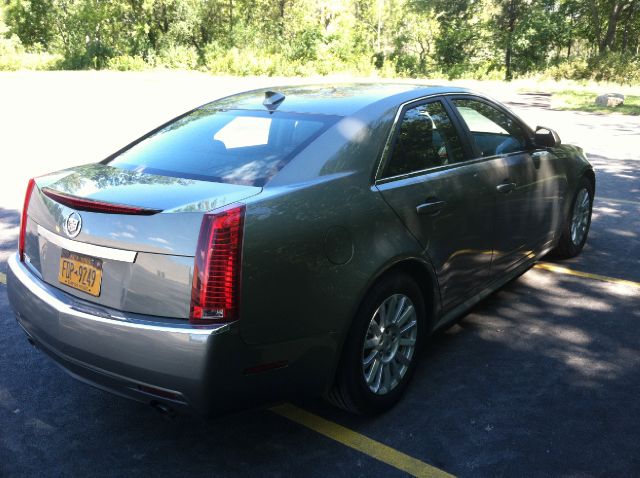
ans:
(605, 17)
(33, 21)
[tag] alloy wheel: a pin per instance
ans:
(389, 344)
(580, 218)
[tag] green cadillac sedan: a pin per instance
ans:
(292, 241)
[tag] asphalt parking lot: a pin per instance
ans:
(540, 379)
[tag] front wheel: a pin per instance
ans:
(576, 228)
(380, 353)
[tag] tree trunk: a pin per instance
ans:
(508, 75)
(595, 21)
(625, 34)
(610, 35)
(511, 19)
(379, 26)
(281, 11)
(570, 39)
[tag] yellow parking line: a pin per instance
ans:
(359, 442)
(587, 275)
(3, 278)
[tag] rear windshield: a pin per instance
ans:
(232, 146)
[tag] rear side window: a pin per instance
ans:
(234, 146)
(426, 139)
(493, 131)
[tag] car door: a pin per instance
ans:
(445, 200)
(528, 192)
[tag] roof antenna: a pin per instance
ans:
(272, 100)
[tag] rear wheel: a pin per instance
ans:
(380, 354)
(576, 228)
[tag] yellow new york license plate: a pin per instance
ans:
(80, 272)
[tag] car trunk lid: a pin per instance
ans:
(134, 211)
(103, 183)
(143, 247)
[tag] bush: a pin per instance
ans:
(14, 57)
(480, 71)
(127, 63)
(242, 62)
(10, 51)
(179, 57)
(252, 61)
(615, 67)
(572, 69)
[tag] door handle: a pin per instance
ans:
(505, 188)
(431, 207)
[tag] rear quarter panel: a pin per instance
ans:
(309, 255)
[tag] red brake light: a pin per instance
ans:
(216, 275)
(91, 205)
(23, 219)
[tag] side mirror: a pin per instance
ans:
(546, 137)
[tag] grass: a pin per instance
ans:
(585, 100)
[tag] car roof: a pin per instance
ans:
(339, 99)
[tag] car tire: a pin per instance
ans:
(572, 240)
(390, 300)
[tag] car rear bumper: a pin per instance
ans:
(141, 357)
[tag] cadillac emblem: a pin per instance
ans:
(73, 224)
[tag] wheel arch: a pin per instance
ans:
(591, 176)
(422, 272)
(574, 177)
(560, 249)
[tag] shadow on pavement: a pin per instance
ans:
(613, 247)
(617, 177)
(540, 379)
(535, 100)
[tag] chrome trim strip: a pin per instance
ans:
(88, 249)
(39, 289)
(434, 169)
(385, 151)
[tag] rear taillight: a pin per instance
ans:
(23, 219)
(215, 291)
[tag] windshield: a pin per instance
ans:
(232, 146)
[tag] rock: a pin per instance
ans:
(610, 100)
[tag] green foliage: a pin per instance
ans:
(573, 69)
(492, 39)
(249, 61)
(10, 53)
(243, 62)
(14, 56)
(615, 67)
(32, 21)
(127, 63)
(584, 100)
(181, 57)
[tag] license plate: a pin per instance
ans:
(80, 272)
